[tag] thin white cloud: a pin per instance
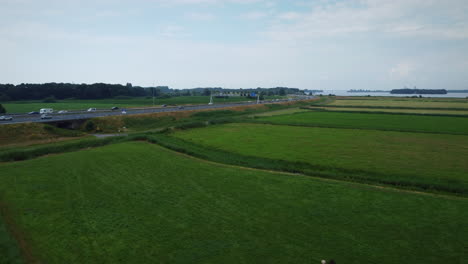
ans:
(255, 15)
(436, 19)
(201, 16)
(402, 70)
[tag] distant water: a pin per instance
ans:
(346, 93)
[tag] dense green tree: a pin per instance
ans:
(2, 109)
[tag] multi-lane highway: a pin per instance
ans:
(75, 115)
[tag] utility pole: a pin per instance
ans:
(153, 94)
(211, 99)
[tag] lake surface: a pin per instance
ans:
(346, 93)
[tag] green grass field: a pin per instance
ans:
(27, 106)
(438, 160)
(91, 206)
(404, 111)
(417, 123)
(414, 103)
(282, 112)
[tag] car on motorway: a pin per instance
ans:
(92, 109)
(6, 118)
(46, 116)
(46, 111)
(114, 108)
(180, 107)
(62, 111)
(124, 111)
(33, 113)
(164, 105)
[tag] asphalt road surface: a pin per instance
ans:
(74, 115)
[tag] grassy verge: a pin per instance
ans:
(139, 203)
(379, 121)
(405, 160)
(153, 121)
(15, 134)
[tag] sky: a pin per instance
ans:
(315, 44)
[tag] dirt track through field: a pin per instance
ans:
(17, 234)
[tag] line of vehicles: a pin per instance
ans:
(45, 113)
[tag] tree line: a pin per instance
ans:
(30, 91)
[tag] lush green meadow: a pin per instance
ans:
(405, 103)
(417, 123)
(27, 106)
(270, 184)
(434, 159)
(282, 112)
(397, 111)
(91, 206)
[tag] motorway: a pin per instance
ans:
(76, 115)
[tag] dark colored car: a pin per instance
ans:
(164, 105)
(181, 107)
(33, 113)
(114, 108)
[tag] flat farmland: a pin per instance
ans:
(404, 111)
(415, 103)
(417, 123)
(115, 204)
(430, 159)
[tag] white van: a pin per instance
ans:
(46, 111)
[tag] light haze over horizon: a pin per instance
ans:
(330, 45)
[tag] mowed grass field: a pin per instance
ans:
(414, 103)
(282, 112)
(433, 159)
(404, 111)
(139, 203)
(417, 123)
(28, 106)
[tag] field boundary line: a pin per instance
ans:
(16, 234)
(318, 108)
(344, 127)
(373, 186)
(391, 107)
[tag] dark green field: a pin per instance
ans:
(434, 159)
(91, 207)
(417, 123)
(282, 187)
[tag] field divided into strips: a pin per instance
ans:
(397, 111)
(27, 106)
(416, 123)
(402, 103)
(139, 203)
(406, 159)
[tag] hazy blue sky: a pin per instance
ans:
(370, 44)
